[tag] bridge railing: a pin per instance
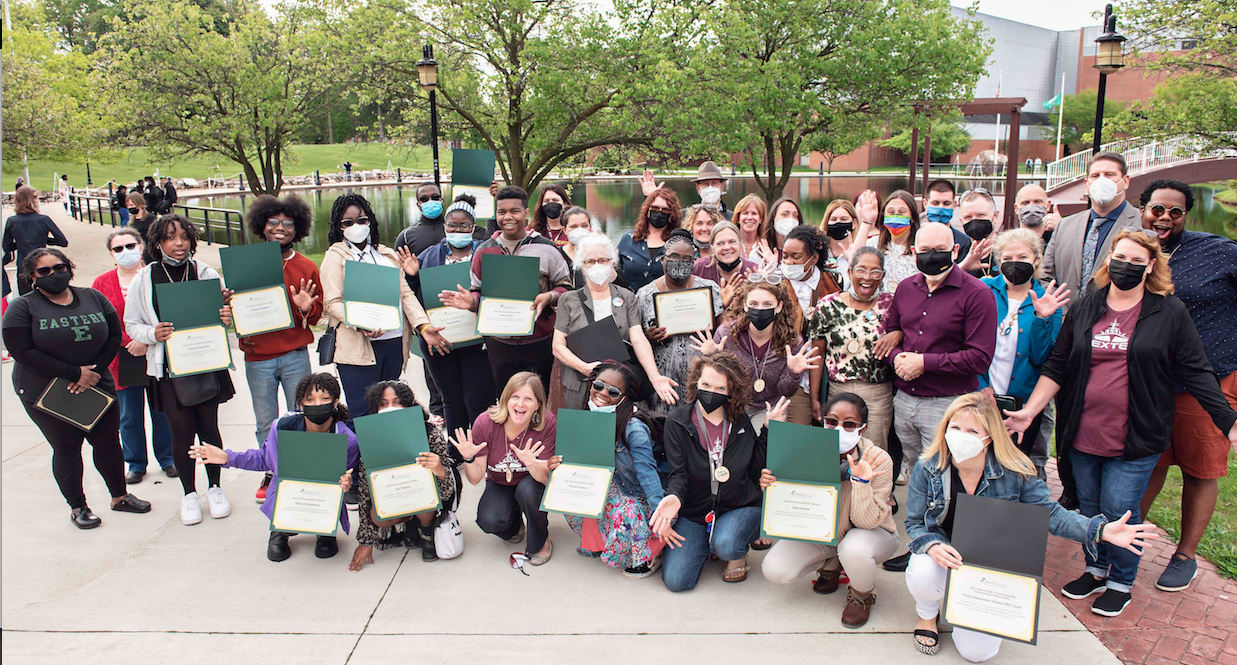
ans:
(1140, 155)
(214, 224)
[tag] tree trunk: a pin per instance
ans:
(330, 125)
(382, 131)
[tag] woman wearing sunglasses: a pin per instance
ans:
(867, 534)
(45, 347)
(125, 246)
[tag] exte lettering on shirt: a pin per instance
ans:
(1111, 338)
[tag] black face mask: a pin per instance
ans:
(711, 401)
(318, 414)
(1017, 272)
(761, 318)
(978, 229)
(552, 209)
(933, 262)
(839, 231)
(727, 267)
(54, 283)
(133, 211)
(659, 219)
(1124, 275)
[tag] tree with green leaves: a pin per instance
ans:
(949, 138)
(1078, 123)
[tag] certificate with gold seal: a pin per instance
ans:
(801, 511)
(686, 311)
(992, 601)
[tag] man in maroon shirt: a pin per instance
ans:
(942, 354)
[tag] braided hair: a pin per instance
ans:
(335, 233)
(328, 384)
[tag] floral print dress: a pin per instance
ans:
(849, 336)
(624, 527)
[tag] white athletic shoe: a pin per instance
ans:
(190, 509)
(904, 476)
(219, 506)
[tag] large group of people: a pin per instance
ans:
(944, 345)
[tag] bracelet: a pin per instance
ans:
(857, 479)
(471, 460)
(1099, 536)
(421, 329)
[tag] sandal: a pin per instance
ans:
(929, 649)
(734, 575)
(762, 544)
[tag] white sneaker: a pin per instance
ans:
(904, 475)
(219, 506)
(190, 509)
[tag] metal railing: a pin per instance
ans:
(211, 222)
(1140, 155)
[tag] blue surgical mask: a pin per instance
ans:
(939, 215)
(431, 209)
(459, 240)
(602, 409)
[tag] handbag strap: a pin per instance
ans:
(588, 311)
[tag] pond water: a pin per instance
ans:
(615, 203)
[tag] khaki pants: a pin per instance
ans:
(859, 551)
(879, 398)
(800, 410)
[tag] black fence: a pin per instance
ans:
(213, 224)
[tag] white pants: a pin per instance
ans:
(925, 578)
(859, 552)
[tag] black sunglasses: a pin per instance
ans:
(429, 197)
(47, 270)
(345, 223)
(848, 425)
(602, 386)
(1174, 213)
(117, 250)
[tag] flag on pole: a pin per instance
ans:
(1053, 102)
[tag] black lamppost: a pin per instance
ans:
(1109, 57)
(88, 183)
(427, 71)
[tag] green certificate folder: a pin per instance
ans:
(199, 342)
(372, 296)
(803, 503)
(459, 326)
(82, 410)
(390, 443)
(509, 285)
(580, 484)
(260, 302)
(472, 171)
(309, 497)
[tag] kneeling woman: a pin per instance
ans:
(715, 459)
(866, 531)
(973, 454)
(317, 395)
(517, 439)
(371, 531)
(627, 542)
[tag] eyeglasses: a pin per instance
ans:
(603, 261)
(602, 386)
(658, 209)
(345, 223)
(429, 197)
(47, 270)
(1174, 213)
(286, 223)
(771, 280)
(457, 227)
(117, 250)
(847, 425)
(864, 272)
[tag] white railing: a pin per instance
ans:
(1140, 155)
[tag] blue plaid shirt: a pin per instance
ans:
(1205, 273)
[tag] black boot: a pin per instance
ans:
(326, 547)
(428, 553)
(277, 547)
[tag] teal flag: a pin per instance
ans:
(1053, 102)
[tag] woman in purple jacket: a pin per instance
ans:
(320, 411)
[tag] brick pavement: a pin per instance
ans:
(1191, 627)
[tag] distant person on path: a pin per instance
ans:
(120, 204)
(27, 231)
(154, 195)
(1204, 270)
(64, 191)
(1033, 210)
(710, 185)
(169, 197)
(348, 171)
(140, 217)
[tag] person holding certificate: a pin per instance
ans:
(679, 301)
(509, 446)
(715, 458)
(866, 531)
(365, 357)
(374, 532)
(191, 403)
(46, 348)
(318, 410)
(973, 454)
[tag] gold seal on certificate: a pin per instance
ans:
(403, 490)
(262, 310)
(800, 511)
(458, 325)
(686, 311)
(576, 489)
(993, 602)
(198, 350)
(502, 317)
(371, 316)
(306, 507)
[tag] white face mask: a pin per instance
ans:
(785, 225)
(577, 234)
(129, 258)
(389, 408)
(592, 406)
(599, 274)
(848, 440)
(357, 233)
(794, 273)
(963, 445)
(710, 195)
(1102, 191)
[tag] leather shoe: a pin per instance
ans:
(428, 553)
(134, 477)
(131, 504)
(84, 519)
(171, 472)
(277, 547)
(827, 581)
(326, 547)
(897, 564)
(858, 608)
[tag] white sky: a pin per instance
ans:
(1052, 14)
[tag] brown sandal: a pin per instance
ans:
(735, 575)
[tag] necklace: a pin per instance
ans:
(169, 275)
(759, 385)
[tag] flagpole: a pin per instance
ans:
(996, 148)
(1060, 115)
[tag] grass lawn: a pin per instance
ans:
(131, 164)
(1219, 544)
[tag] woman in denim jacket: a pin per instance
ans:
(973, 454)
(622, 537)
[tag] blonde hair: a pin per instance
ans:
(834, 205)
(498, 412)
(26, 200)
(750, 201)
(1160, 281)
(693, 213)
(1019, 236)
(984, 411)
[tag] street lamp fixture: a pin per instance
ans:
(427, 72)
(1109, 58)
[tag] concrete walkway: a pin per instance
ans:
(146, 589)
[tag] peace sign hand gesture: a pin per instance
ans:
(807, 358)
(1052, 300)
(463, 443)
(705, 345)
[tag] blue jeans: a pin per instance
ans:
(356, 379)
(1111, 486)
(265, 377)
(132, 401)
(732, 533)
(123, 214)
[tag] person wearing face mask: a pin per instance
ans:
(948, 320)
(640, 249)
(428, 231)
(548, 215)
(701, 220)
(980, 218)
(715, 457)
(897, 225)
(372, 532)
(578, 223)
(725, 264)
(1082, 240)
(1029, 319)
(37, 332)
(27, 231)
(126, 248)
(841, 225)
(971, 453)
(940, 205)
(622, 537)
(153, 195)
(867, 534)
(120, 204)
(806, 265)
(1121, 353)
(673, 353)
(318, 409)
(1035, 212)
(140, 217)
(598, 301)
(710, 184)
(784, 216)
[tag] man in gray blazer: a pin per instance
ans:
(1064, 259)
